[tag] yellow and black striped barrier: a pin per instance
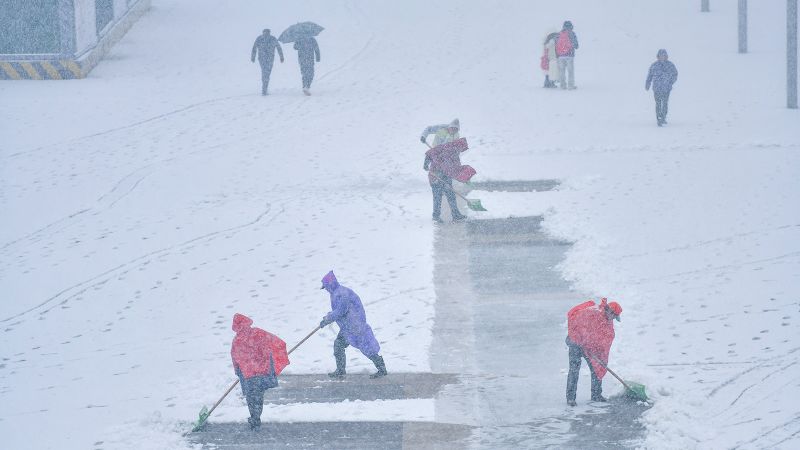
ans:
(40, 70)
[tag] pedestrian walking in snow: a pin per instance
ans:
(348, 312)
(258, 359)
(566, 44)
(662, 75)
(307, 52)
(441, 184)
(265, 45)
(590, 332)
(549, 62)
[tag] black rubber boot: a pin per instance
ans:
(379, 364)
(341, 360)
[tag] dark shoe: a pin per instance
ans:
(254, 422)
(599, 398)
(664, 121)
(571, 403)
(380, 365)
(459, 218)
(337, 374)
(661, 124)
(438, 219)
(379, 374)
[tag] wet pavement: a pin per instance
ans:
(319, 388)
(515, 186)
(337, 435)
(497, 355)
(500, 322)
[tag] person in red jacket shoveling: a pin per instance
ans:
(590, 332)
(258, 359)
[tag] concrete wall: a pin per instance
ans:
(85, 32)
(82, 45)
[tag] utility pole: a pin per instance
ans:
(742, 26)
(791, 54)
(704, 6)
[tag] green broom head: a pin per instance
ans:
(475, 204)
(202, 419)
(636, 391)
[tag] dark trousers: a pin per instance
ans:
(662, 100)
(341, 361)
(266, 70)
(575, 355)
(307, 71)
(253, 389)
(338, 351)
(444, 187)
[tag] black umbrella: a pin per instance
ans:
(299, 31)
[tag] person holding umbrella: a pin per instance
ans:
(590, 332)
(265, 45)
(348, 312)
(307, 51)
(302, 34)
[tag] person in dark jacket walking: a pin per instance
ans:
(265, 45)
(258, 358)
(662, 75)
(307, 52)
(348, 312)
(566, 44)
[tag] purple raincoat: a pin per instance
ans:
(348, 313)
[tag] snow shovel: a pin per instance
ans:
(632, 389)
(472, 203)
(205, 412)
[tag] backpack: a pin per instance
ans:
(563, 44)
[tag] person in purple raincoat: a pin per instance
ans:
(348, 312)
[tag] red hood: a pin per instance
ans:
(241, 322)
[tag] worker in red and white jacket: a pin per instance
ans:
(590, 332)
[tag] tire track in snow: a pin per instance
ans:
(745, 372)
(102, 278)
(125, 127)
(108, 197)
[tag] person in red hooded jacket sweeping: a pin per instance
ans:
(258, 359)
(590, 332)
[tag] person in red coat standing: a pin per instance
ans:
(258, 358)
(590, 332)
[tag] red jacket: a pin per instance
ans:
(590, 329)
(252, 347)
(444, 159)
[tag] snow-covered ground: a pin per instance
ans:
(143, 206)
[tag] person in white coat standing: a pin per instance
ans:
(551, 73)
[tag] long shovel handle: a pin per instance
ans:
(448, 187)
(237, 380)
(610, 371)
(304, 339)
(221, 398)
